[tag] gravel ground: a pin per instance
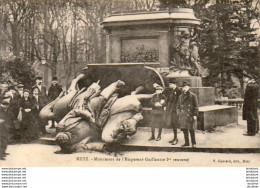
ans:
(230, 136)
(44, 155)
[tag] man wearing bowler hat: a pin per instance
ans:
(187, 110)
(171, 119)
(54, 90)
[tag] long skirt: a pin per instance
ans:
(29, 127)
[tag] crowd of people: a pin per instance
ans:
(172, 107)
(19, 111)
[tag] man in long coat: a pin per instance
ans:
(171, 119)
(53, 93)
(4, 125)
(187, 109)
(54, 90)
(250, 107)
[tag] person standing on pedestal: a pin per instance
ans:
(53, 93)
(187, 110)
(158, 104)
(250, 106)
(171, 119)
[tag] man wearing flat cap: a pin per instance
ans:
(250, 106)
(54, 91)
(171, 119)
(187, 109)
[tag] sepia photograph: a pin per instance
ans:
(167, 83)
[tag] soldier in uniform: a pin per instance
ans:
(250, 106)
(158, 104)
(187, 113)
(171, 119)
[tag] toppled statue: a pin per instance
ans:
(91, 119)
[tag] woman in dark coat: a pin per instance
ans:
(28, 124)
(158, 104)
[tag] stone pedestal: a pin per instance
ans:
(194, 81)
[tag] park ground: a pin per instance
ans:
(230, 136)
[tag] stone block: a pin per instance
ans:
(216, 115)
(194, 81)
(209, 116)
(205, 95)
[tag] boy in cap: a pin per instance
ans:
(171, 119)
(158, 104)
(187, 108)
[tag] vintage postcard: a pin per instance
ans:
(129, 83)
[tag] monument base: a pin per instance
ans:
(194, 81)
(209, 116)
(205, 95)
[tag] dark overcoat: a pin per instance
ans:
(172, 96)
(15, 105)
(187, 107)
(54, 92)
(4, 136)
(250, 102)
(157, 112)
(27, 117)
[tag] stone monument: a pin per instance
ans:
(166, 41)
